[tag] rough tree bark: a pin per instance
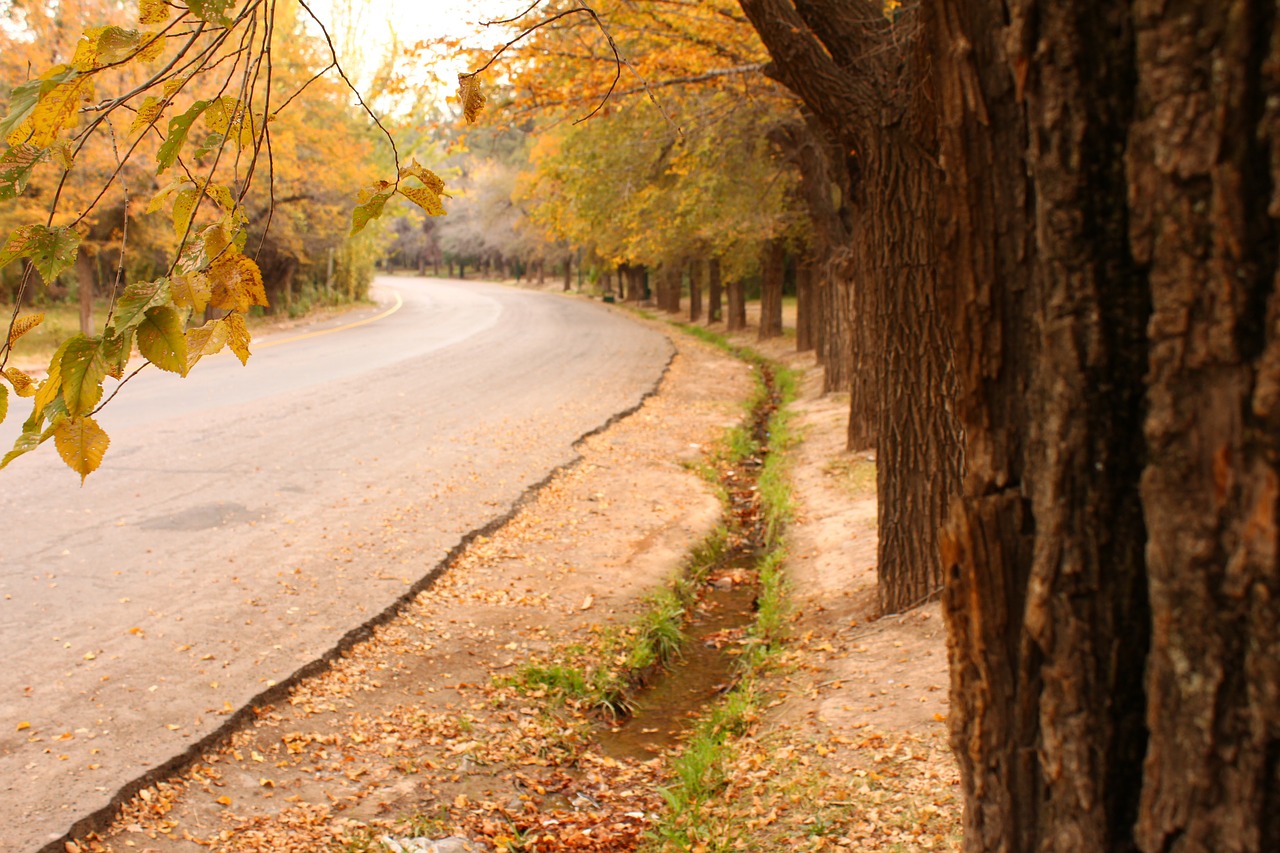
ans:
(772, 260)
(851, 66)
(1111, 175)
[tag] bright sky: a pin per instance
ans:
(412, 21)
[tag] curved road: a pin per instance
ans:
(245, 519)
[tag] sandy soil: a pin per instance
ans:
(408, 734)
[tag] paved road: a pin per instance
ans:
(246, 518)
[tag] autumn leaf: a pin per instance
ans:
(238, 336)
(153, 12)
(424, 198)
(205, 340)
(148, 111)
(236, 283)
(137, 299)
(81, 443)
(51, 249)
(213, 11)
(26, 97)
(4, 402)
(23, 385)
(83, 369)
(184, 207)
(191, 291)
(369, 209)
(116, 349)
(161, 339)
(16, 165)
(429, 178)
(58, 108)
(179, 128)
(471, 96)
(22, 325)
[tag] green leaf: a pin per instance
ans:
(161, 340)
(16, 165)
(83, 369)
(28, 441)
(81, 444)
(136, 299)
(116, 350)
(25, 97)
(213, 11)
(179, 127)
(368, 211)
(51, 250)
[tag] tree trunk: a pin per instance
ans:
(1203, 166)
(714, 291)
(805, 314)
(568, 275)
(737, 319)
(86, 274)
(695, 291)
(773, 258)
(669, 288)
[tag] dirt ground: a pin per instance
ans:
(413, 732)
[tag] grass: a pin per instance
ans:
(599, 677)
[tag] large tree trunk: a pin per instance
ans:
(772, 261)
(1204, 159)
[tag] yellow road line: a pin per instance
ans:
(393, 309)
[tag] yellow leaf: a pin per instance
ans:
(23, 385)
(429, 178)
(238, 336)
(471, 96)
(148, 113)
(223, 800)
(59, 108)
(236, 283)
(152, 46)
(153, 11)
(424, 198)
(23, 726)
(184, 207)
(81, 443)
(206, 340)
(23, 325)
(190, 291)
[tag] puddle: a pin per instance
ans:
(665, 709)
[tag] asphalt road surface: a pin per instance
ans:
(246, 518)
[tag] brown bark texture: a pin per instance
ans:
(1113, 571)
(772, 262)
(848, 62)
(737, 308)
